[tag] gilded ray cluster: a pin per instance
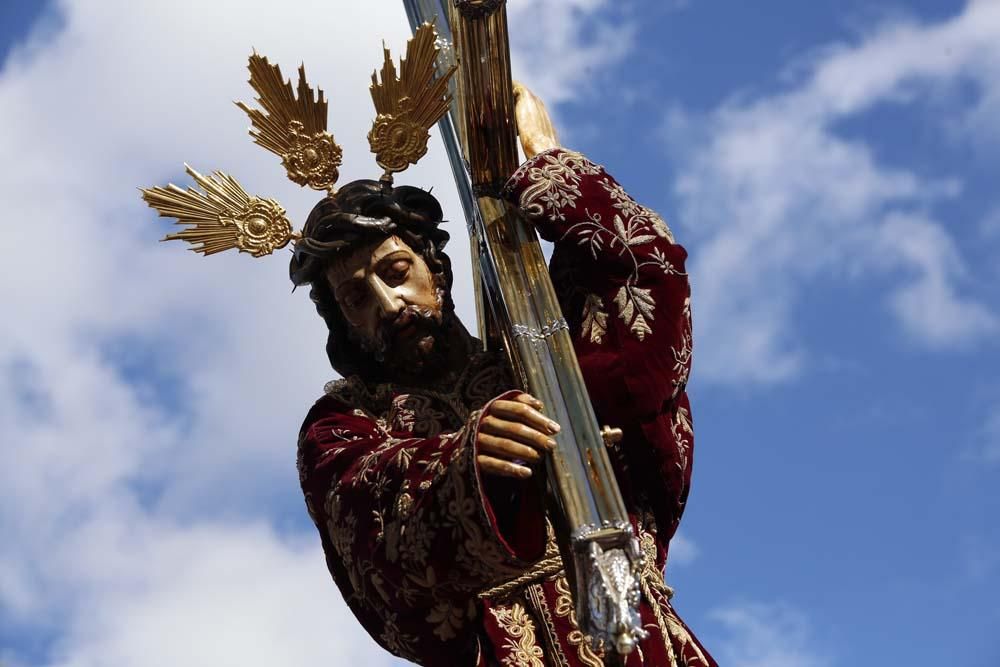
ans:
(408, 104)
(222, 216)
(293, 127)
(291, 122)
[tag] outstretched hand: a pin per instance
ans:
(534, 125)
(512, 433)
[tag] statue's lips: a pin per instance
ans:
(406, 325)
(406, 331)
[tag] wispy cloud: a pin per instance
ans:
(683, 550)
(149, 398)
(766, 635)
(779, 201)
(561, 50)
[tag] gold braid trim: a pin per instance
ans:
(658, 594)
(543, 569)
(576, 638)
(536, 596)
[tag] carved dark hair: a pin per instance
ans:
(360, 213)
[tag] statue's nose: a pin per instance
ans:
(386, 298)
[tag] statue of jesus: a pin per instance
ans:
(418, 467)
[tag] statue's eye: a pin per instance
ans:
(398, 270)
(352, 298)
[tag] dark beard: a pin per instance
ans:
(408, 343)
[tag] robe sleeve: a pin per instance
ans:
(410, 533)
(624, 291)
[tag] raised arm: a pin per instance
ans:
(624, 291)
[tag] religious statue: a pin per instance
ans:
(444, 492)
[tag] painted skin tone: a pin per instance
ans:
(534, 125)
(376, 286)
(377, 283)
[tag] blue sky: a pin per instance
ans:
(831, 167)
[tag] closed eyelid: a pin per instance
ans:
(347, 290)
(392, 259)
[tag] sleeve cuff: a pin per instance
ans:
(514, 509)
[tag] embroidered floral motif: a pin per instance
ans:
(656, 591)
(446, 619)
(657, 223)
(682, 354)
(391, 472)
(416, 549)
(555, 183)
(417, 414)
(536, 596)
(396, 641)
(680, 428)
(341, 529)
(629, 207)
(483, 384)
(576, 638)
(524, 650)
(635, 308)
(483, 378)
(555, 186)
(636, 305)
(595, 320)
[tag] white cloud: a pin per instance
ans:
(212, 594)
(136, 506)
(559, 48)
(930, 306)
(777, 200)
(683, 550)
(765, 635)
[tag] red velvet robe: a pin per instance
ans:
(435, 568)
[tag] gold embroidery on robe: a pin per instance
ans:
(525, 651)
(576, 638)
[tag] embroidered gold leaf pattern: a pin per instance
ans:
(658, 224)
(576, 638)
(397, 641)
(656, 591)
(682, 354)
(630, 235)
(620, 199)
(524, 650)
(554, 186)
(446, 619)
(635, 307)
(537, 598)
(660, 260)
(404, 527)
(681, 429)
(595, 320)
(555, 183)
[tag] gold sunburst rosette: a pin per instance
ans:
(293, 127)
(408, 104)
(292, 124)
(222, 216)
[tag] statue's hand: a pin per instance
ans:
(512, 433)
(534, 125)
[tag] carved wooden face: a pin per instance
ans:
(388, 295)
